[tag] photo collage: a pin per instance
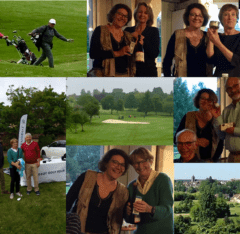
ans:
(108, 122)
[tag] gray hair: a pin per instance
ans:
(28, 134)
(186, 130)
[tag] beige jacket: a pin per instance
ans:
(109, 64)
(115, 213)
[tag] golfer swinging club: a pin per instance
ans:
(48, 32)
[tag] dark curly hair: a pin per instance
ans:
(113, 11)
(102, 165)
(149, 12)
(201, 8)
(227, 7)
(212, 96)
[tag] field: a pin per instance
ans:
(234, 211)
(70, 59)
(158, 132)
(34, 214)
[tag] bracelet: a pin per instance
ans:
(153, 210)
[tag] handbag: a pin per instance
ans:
(95, 72)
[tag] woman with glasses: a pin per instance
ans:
(210, 147)
(153, 192)
(224, 48)
(98, 198)
(110, 45)
(149, 39)
(187, 47)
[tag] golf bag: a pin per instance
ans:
(27, 56)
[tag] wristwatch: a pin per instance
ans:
(153, 210)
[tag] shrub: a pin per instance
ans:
(45, 140)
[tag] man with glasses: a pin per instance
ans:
(231, 114)
(186, 144)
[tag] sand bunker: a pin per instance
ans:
(115, 121)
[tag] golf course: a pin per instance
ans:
(24, 16)
(159, 131)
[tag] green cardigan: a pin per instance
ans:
(159, 195)
(13, 156)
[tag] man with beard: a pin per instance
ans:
(231, 114)
(186, 144)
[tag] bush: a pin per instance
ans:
(45, 140)
(181, 196)
(231, 205)
(195, 212)
(6, 140)
(181, 224)
(222, 208)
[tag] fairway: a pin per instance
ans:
(158, 132)
(69, 58)
(34, 214)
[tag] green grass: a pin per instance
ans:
(158, 132)
(70, 59)
(34, 214)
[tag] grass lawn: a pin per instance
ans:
(158, 132)
(34, 214)
(70, 59)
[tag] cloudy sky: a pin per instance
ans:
(75, 85)
(58, 84)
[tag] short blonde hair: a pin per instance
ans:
(142, 153)
(13, 140)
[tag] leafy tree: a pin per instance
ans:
(208, 206)
(108, 103)
(168, 107)
(157, 104)
(179, 186)
(46, 110)
(146, 104)
(92, 108)
(195, 212)
(192, 190)
(222, 208)
(130, 101)
(79, 117)
(181, 224)
(119, 105)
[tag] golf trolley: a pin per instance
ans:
(27, 56)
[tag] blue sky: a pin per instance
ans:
(220, 171)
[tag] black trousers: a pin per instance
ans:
(15, 178)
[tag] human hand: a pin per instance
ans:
(135, 34)
(203, 142)
(5, 37)
(213, 36)
(128, 209)
(70, 40)
(38, 164)
(215, 111)
(19, 167)
(141, 39)
(142, 207)
(230, 130)
(124, 51)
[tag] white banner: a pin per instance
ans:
(22, 130)
(54, 171)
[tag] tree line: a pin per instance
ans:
(82, 108)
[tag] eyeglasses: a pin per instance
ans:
(140, 163)
(116, 163)
(206, 99)
(230, 89)
(195, 15)
(124, 16)
(188, 143)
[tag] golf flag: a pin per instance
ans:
(22, 130)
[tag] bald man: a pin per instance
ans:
(186, 144)
(230, 114)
